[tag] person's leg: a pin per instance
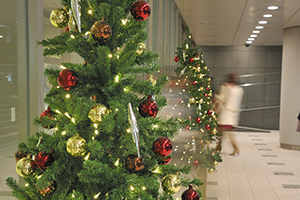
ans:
(234, 143)
(218, 147)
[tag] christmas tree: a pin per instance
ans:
(197, 80)
(108, 140)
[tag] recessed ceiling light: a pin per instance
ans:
(262, 22)
(267, 15)
(272, 7)
(259, 27)
(253, 35)
(255, 31)
(251, 39)
(249, 42)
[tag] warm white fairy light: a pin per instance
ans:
(40, 176)
(117, 162)
(143, 188)
(124, 21)
(117, 77)
(117, 110)
(176, 83)
(96, 132)
(189, 105)
(186, 84)
(125, 89)
(57, 87)
(128, 130)
(179, 113)
(131, 188)
(183, 152)
(62, 67)
(68, 96)
(95, 125)
(87, 156)
(90, 11)
(56, 129)
(67, 114)
(72, 36)
(73, 120)
(97, 195)
(110, 55)
(186, 46)
(183, 90)
(63, 133)
(26, 185)
(181, 158)
(93, 138)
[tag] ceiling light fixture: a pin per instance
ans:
(262, 22)
(267, 15)
(1, 36)
(253, 35)
(255, 31)
(249, 42)
(251, 39)
(259, 27)
(272, 7)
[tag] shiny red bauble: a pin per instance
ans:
(191, 60)
(67, 79)
(162, 146)
(209, 112)
(140, 10)
(194, 83)
(43, 160)
(207, 126)
(176, 59)
(50, 114)
(190, 194)
(148, 107)
(134, 163)
(197, 120)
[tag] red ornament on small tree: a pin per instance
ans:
(194, 83)
(197, 120)
(209, 112)
(140, 10)
(162, 146)
(43, 160)
(50, 114)
(191, 60)
(148, 107)
(67, 79)
(176, 59)
(190, 194)
(207, 126)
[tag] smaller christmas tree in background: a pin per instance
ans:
(197, 82)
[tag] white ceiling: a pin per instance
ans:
(230, 22)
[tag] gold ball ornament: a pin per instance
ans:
(97, 112)
(25, 167)
(76, 146)
(59, 18)
(101, 31)
(216, 163)
(141, 48)
(171, 184)
(211, 170)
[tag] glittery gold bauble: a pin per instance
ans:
(201, 88)
(216, 163)
(152, 80)
(141, 48)
(76, 146)
(101, 31)
(47, 190)
(205, 67)
(97, 112)
(211, 170)
(59, 18)
(214, 131)
(24, 167)
(192, 100)
(171, 184)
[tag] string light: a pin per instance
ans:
(87, 156)
(143, 188)
(117, 77)
(67, 114)
(96, 132)
(26, 185)
(68, 96)
(117, 162)
(73, 120)
(128, 130)
(97, 195)
(96, 125)
(90, 11)
(63, 133)
(131, 188)
(62, 67)
(72, 36)
(124, 21)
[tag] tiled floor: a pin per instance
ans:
(262, 171)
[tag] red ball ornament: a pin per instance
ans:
(140, 10)
(134, 163)
(162, 146)
(148, 107)
(196, 162)
(207, 126)
(209, 112)
(208, 88)
(43, 160)
(194, 83)
(205, 95)
(191, 60)
(190, 194)
(67, 78)
(176, 59)
(197, 120)
(51, 115)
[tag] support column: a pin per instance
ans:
(290, 92)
